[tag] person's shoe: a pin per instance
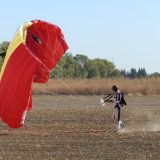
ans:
(120, 125)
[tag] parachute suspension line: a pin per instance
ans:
(68, 86)
(57, 49)
(89, 73)
(91, 76)
(54, 52)
(50, 42)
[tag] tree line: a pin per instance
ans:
(133, 73)
(80, 66)
(140, 73)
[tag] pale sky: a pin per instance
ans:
(125, 32)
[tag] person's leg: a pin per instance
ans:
(116, 115)
(119, 123)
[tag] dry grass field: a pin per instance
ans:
(143, 86)
(78, 128)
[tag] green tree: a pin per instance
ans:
(80, 66)
(57, 72)
(1, 62)
(101, 67)
(116, 73)
(133, 73)
(156, 74)
(92, 69)
(111, 70)
(3, 49)
(123, 73)
(4, 46)
(141, 73)
(65, 67)
(68, 67)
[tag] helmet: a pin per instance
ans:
(115, 88)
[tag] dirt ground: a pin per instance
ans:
(78, 128)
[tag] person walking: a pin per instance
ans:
(119, 101)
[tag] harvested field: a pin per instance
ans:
(77, 127)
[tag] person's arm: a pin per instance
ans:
(118, 98)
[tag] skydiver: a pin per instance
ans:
(119, 101)
(118, 98)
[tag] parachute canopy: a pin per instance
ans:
(34, 51)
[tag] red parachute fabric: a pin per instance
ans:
(31, 61)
